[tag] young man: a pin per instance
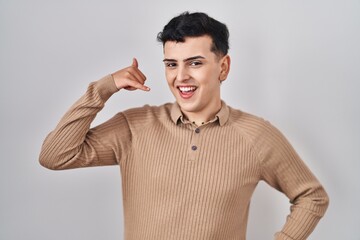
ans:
(188, 168)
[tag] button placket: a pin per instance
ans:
(194, 144)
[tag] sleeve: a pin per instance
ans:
(283, 169)
(72, 144)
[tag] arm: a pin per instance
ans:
(73, 144)
(283, 169)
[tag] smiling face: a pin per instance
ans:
(194, 74)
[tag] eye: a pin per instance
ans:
(195, 63)
(170, 64)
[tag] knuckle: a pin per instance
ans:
(127, 74)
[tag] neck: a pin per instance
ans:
(206, 115)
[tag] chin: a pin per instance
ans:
(187, 107)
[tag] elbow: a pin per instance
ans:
(50, 163)
(58, 161)
(321, 203)
(46, 163)
(323, 200)
(326, 201)
(52, 156)
(315, 203)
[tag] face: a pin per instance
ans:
(194, 74)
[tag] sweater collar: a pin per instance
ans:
(222, 115)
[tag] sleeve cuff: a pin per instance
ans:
(282, 236)
(106, 87)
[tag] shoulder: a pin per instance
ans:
(260, 132)
(246, 121)
(251, 126)
(148, 114)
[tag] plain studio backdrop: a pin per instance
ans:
(294, 63)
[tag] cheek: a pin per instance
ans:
(169, 75)
(168, 80)
(216, 72)
(207, 76)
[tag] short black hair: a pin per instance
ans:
(195, 25)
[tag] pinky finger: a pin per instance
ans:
(140, 86)
(145, 88)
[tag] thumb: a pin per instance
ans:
(135, 63)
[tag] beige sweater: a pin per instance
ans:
(180, 181)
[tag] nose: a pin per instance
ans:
(182, 74)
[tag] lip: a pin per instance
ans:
(186, 95)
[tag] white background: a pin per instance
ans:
(295, 63)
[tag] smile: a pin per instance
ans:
(187, 91)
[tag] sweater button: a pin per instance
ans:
(194, 148)
(197, 130)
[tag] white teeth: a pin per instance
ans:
(187, 89)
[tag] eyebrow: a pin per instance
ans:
(185, 60)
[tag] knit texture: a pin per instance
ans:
(182, 181)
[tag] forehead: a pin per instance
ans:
(192, 46)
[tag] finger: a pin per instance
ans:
(135, 63)
(141, 73)
(135, 75)
(137, 85)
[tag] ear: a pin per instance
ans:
(225, 67)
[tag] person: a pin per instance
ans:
(188, 168)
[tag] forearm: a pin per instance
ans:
(305, 214)
(69, 144)
(284, 170)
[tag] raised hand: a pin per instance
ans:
(130, 78)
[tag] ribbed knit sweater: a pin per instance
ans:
(182, 181)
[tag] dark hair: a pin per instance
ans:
(195, 25)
